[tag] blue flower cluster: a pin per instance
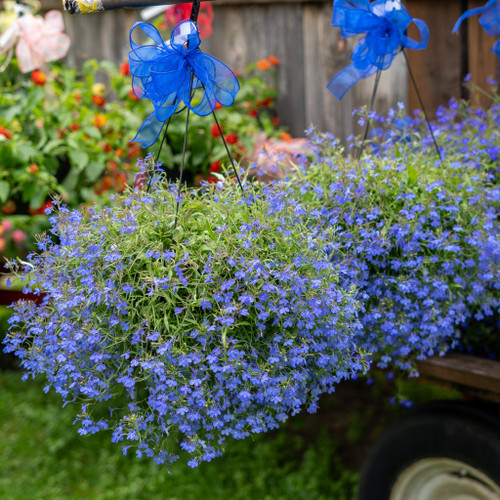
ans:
(417, 237)
(178, 332)
(221, 326)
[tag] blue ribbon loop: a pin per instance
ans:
(384, 23)
(489, 20)
(169, 72)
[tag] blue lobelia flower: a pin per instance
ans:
(169, 72)
(384, 24)
(489, 20)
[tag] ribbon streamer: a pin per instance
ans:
(384, 23)
(489, 20)
(169, 72)
(38, 40)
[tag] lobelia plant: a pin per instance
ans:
(217, 322)
(66, 134)
(418, 237)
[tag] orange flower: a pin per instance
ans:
(125, 68)
(2, 245)
(104, 185)
(132, 95)
(5, 132)
(120, 181)
(285, 136)
(273, 60)
(231, 138)
(98, 100)
(218, 105)
(78, 97)
(9, 207)
(100, 121)
(263, 64)
(39, 77)
(119, 152)
(140, 180)
(33, 168)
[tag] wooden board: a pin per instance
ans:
(467, 371)
(482, 61)
(437, 69)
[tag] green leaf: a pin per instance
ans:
(94, 170)
(92, 132)
(4, 191)
(38, 198)
(78, 158)
(412, 174)
(26, 152)
(10, 113)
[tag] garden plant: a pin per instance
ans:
(65, 134)
(178, 320)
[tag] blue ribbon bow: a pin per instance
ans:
(385, 23)
(489, 20)
(169, 72)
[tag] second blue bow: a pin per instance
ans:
(489, 20)
(169, 72)
(384, 23)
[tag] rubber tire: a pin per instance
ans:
(456, 430)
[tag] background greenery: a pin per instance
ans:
(312, 457)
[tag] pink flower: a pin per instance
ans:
(18, 236)
(6, 225)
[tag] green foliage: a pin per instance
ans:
(66, 135)
(42, 457)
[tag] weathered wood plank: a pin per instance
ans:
(437, 68)
(325, 54)
(464, 370)
(483, 63)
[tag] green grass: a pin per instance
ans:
(43, 457)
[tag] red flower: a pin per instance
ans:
(211, 179)
(39, 77)
(125, 68)
(266, 102)
(133, 152)
(273, 60)
(98, 100)
(177, 13)
(215, 167)
(215, 130)
(5, 132)
(231, 138)
(41, 209)
(253, 112)
(9, 207)
(33, 168)
(74, 127)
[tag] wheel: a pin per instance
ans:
(445, 451)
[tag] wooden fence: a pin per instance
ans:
(311, 52)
